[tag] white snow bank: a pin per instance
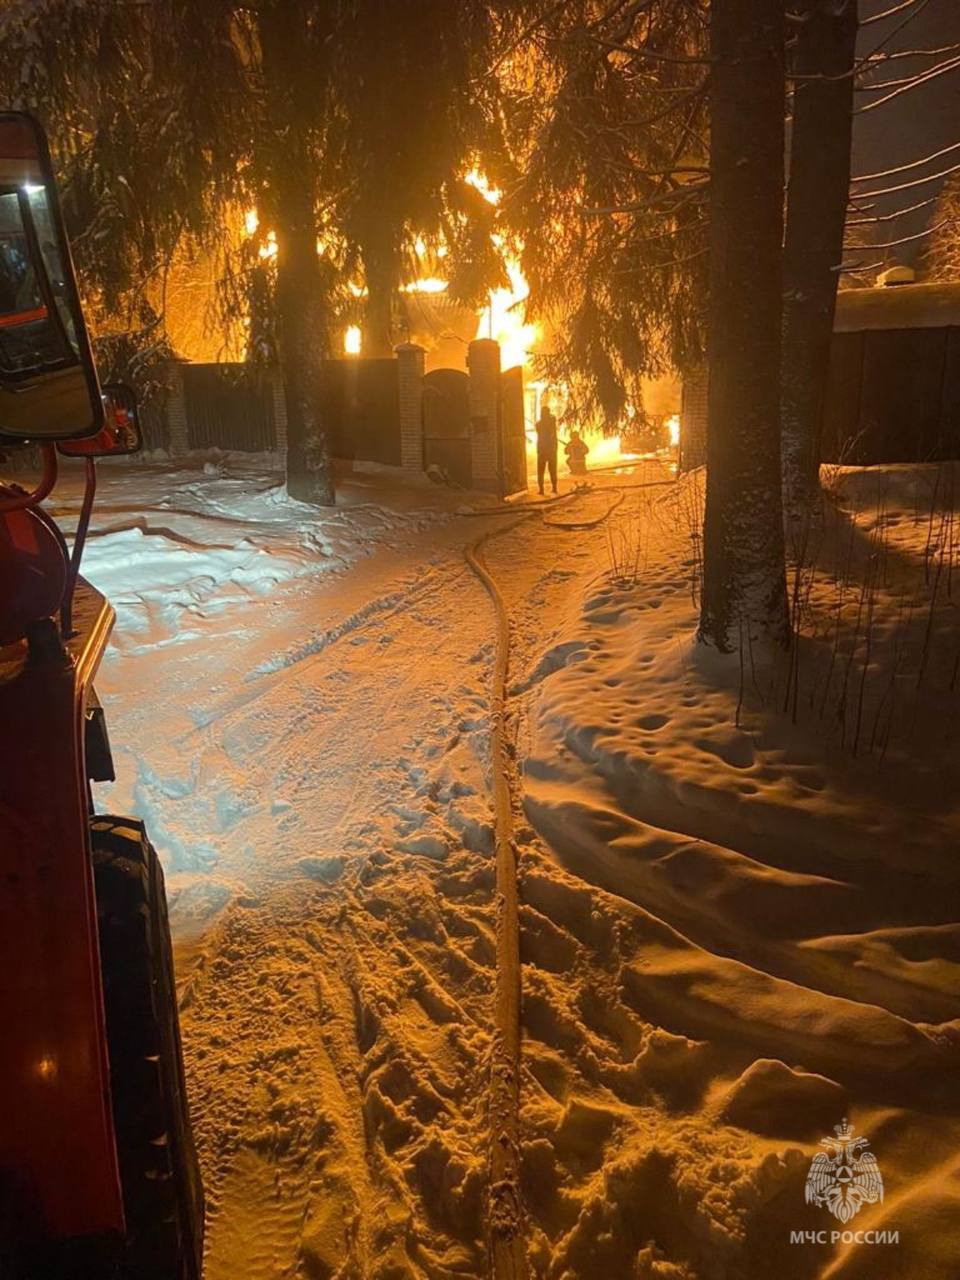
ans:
(730, 875)
(157, 581)
(172, 544)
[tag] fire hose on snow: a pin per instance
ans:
(505, 1233)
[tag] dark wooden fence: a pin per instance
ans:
(893, 396)
(240, 408)
(153, 422)
(236, 407)
(229, 406)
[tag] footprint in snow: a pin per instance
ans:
(326, 870)
(425, 845)
(652, 722)
(736, 751)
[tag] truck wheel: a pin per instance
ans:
(162, 1191)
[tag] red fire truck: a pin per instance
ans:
(98, 1174)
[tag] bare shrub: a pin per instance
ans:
(628, 540)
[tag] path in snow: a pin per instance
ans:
(702, 998)
(325, 810)
(313, 767)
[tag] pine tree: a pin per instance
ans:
(292, 62)
(605, 179)
(744, 588)
(941, 260)
(819, 184)
(408, 120)
(173, 118)
(169, 119)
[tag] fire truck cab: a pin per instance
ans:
(98, 1173)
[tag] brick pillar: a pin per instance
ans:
(483, 365)
(178, 439)
(410, 386)
(279, 413)
(693, 420)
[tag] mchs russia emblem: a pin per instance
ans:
(846, 1176)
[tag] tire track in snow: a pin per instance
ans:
(380, 609)
(387, 1046)
(387, 605)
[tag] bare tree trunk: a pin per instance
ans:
(381, 272)
(744, 589)
(378, 337)
(816, 214)
(302, 331)
(302, 334)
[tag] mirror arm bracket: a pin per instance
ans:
(79, 539)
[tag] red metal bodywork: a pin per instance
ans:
(60, 1192)
(18, 499)
(57, 1150)
(33, 575)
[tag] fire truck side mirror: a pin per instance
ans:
(48, 380)
(120, 432)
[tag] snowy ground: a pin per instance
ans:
(733, 936)
(309, 751)
(739, 936)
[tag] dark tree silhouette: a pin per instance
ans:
(408, 118)
(289, 203)
(744, 589)
(171, 119)
(605, 180)
(819, 183)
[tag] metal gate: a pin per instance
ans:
(361, 409)
(446, 424)
(229, 406)
(513, 433)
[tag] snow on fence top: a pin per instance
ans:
(907, 306)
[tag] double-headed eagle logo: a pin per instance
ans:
(846, 1176)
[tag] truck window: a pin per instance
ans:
(30, 338)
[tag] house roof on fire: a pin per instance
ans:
(904, 306)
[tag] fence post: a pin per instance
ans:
(483, 365)
(410, 385)
(178, 437)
